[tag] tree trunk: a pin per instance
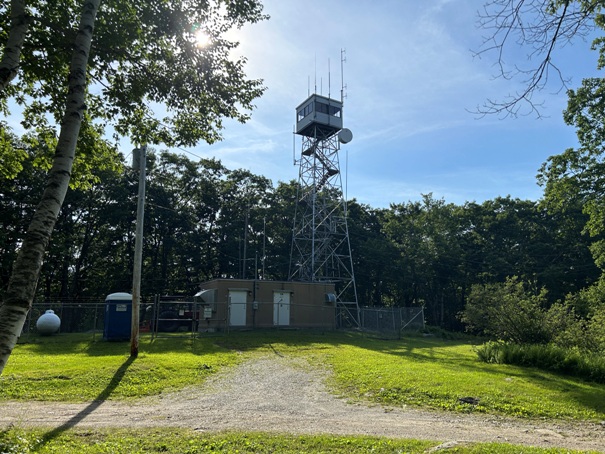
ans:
(26, 270)
(9, 65)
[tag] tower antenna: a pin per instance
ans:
(294, 144)
(315, 88)
(343, 60)
(329, 80)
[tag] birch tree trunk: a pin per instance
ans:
(26, 269)
(9, 65)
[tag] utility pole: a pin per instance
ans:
(245, 242)
(139, 161)
(264, 245)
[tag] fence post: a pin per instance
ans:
(94, 324)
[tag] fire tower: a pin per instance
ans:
(321, 250)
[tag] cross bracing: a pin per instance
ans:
(321, 249)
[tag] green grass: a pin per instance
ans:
(183, 441)
(415, 371)
(73, 368)
(435, 374)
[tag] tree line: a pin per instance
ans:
(206, 221)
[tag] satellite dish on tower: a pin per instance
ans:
(345, 135)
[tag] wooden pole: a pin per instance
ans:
(138, 256)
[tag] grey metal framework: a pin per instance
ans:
(321, 249)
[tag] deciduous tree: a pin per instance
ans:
(21, 289)
(152, 81)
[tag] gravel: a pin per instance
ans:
(285, 395)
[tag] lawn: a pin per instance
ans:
(414, 371)
(71, 367)
(424, 372)
(183, 441)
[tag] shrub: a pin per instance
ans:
(546, 357)
(585, 332)
(567, 329)
(507, 311)
(595, 331)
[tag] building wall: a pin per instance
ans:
(307, 304)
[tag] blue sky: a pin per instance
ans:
(411, 80)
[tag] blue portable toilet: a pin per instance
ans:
(118, 316)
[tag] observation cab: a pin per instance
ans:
(318, 117)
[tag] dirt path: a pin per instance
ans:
(276, 394)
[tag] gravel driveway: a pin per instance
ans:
(280, 394)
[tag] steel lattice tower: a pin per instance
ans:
(321, 250)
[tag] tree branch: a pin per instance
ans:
(540, 28)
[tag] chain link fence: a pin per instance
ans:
(76, 317)
(190, 318)
(182, 316)
(389, 322)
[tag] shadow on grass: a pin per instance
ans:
(442, 355)
(451, 357)
(90, 408)
(235, 340)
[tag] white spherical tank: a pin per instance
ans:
(48, 323)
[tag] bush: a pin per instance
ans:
(567, 329)
(546, 357)
(587, 300)
(508, 311)
(594, 336)
(580, 323)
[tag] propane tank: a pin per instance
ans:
(48, 323)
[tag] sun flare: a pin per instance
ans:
(202, 39)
